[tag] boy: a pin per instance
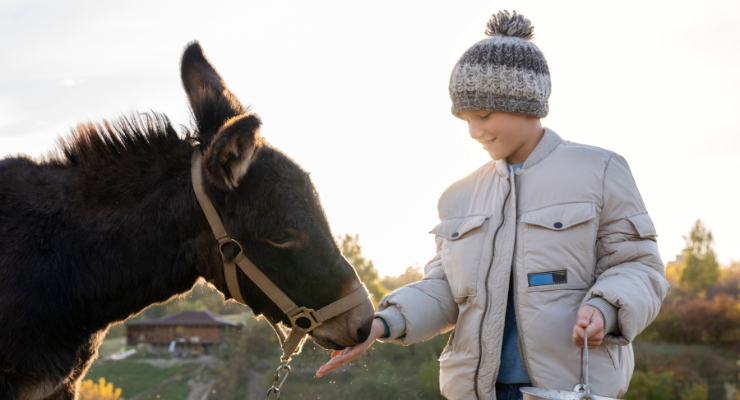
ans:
(548, 238)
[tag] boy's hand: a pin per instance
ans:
(339, 358)
(591, 317)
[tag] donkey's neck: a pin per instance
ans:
(144, 236)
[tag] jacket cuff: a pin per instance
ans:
(395, 320)
(610, 313)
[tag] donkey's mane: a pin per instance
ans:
(133, 138)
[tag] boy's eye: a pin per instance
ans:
(486, 116)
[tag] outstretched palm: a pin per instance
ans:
(341, 357)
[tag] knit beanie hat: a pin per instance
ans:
(504, 72)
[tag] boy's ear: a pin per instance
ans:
(211, 101)
(230, 152)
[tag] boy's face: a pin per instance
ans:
(501, 134)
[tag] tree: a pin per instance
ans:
(251, 348)
(411, 275)
(203, 296)
(729, 281)
(673, 271)
(700, 267)
(350, 246)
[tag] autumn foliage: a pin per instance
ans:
(703, 304)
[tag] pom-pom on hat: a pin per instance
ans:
(504, 72)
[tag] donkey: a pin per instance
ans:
(109, 224)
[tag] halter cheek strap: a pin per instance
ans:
(297, 334)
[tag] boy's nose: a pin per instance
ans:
(475, 132)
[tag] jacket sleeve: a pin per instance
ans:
(421, 310)
(630, 274)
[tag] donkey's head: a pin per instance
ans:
(270, 206)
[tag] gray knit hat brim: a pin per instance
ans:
(533, 108)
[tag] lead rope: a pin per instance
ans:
(288, 344)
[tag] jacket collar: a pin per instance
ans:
(550, 140)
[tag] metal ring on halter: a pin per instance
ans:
(306, 313)
(221, 247)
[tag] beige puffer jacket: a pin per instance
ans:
(572, 217)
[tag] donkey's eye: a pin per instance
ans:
(281, 237)
(287, 239)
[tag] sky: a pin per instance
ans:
(356, 92)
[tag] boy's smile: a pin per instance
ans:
(486, 144)
(504, 135)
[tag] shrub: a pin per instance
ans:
(690, 367)
(651, 386)
(666, 327)
(90, 390)
(695, 391)
(713, 320)
(664, 386)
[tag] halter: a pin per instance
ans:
(297, 334)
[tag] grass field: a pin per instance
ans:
(177, 390)
(112, 346)
(385, 372)
(391, 372)
(134, 377)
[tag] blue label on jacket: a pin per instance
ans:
(548, 278)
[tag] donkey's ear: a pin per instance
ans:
(230, 152)
(211, 101)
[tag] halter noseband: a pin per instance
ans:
(294, 313)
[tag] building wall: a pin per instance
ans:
(154, 334)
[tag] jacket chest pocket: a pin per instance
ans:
(462, 246)
(559, 246)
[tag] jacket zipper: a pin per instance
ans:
(525, 355)
(485, 308)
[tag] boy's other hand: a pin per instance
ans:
(591, 317)
(339, 358)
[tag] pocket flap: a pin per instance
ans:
(455, 228)
(643, 224)
(561, 216)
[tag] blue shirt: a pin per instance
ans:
(512, 369)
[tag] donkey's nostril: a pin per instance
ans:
(363, 333)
